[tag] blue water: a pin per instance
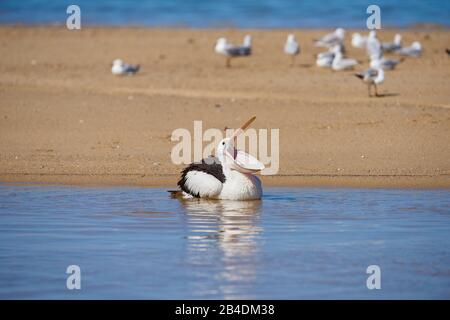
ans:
(228, 13)
(295, 243)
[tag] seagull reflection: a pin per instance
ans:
(228, 231)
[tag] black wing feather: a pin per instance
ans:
(209, 165)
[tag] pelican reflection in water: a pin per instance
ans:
(226, 230)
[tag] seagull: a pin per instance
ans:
(228, 176)
(372, 77)
(394, 45)
(415, 50)
(359, 41)
(337, 36)
(229, 50)
(291, 48)
(341, 63)
(120, 68)
(325, 59)
(373, 44)
(380, 62)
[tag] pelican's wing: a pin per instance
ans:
(203, 180)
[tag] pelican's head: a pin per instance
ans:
(221, 45)
(356, 35)
(234, 159)
(291, 38)
(398, 39)
(340, 33)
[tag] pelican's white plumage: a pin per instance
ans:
(228, 176)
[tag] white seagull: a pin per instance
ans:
(341, 63)
(229, 50)
(415, 50)
(372, 77)
(325, 59)
(394, 45)
(228, 176)
(337, 36)
(291, 48)
(373, 44)
(359, 41)
(380, 62)
(120, 68)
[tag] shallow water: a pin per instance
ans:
(227, 13)
(295, 243)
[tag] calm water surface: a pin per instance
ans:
(295, 243)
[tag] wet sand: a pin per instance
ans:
(65, 119)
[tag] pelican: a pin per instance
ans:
(372, 77)
(120, 68)
(228, 176)
(291, 48)
(229, 50)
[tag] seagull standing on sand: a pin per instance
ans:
(331, 39)
(228, 176)
(120, 68)
(230, 51)
(291, 48)
(372, 77)
(415, 50)
(394, 45)
(341, 63)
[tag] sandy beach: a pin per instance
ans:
(64, 118)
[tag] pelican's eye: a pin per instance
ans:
(223, 143)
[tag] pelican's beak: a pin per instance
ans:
(240, 160)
